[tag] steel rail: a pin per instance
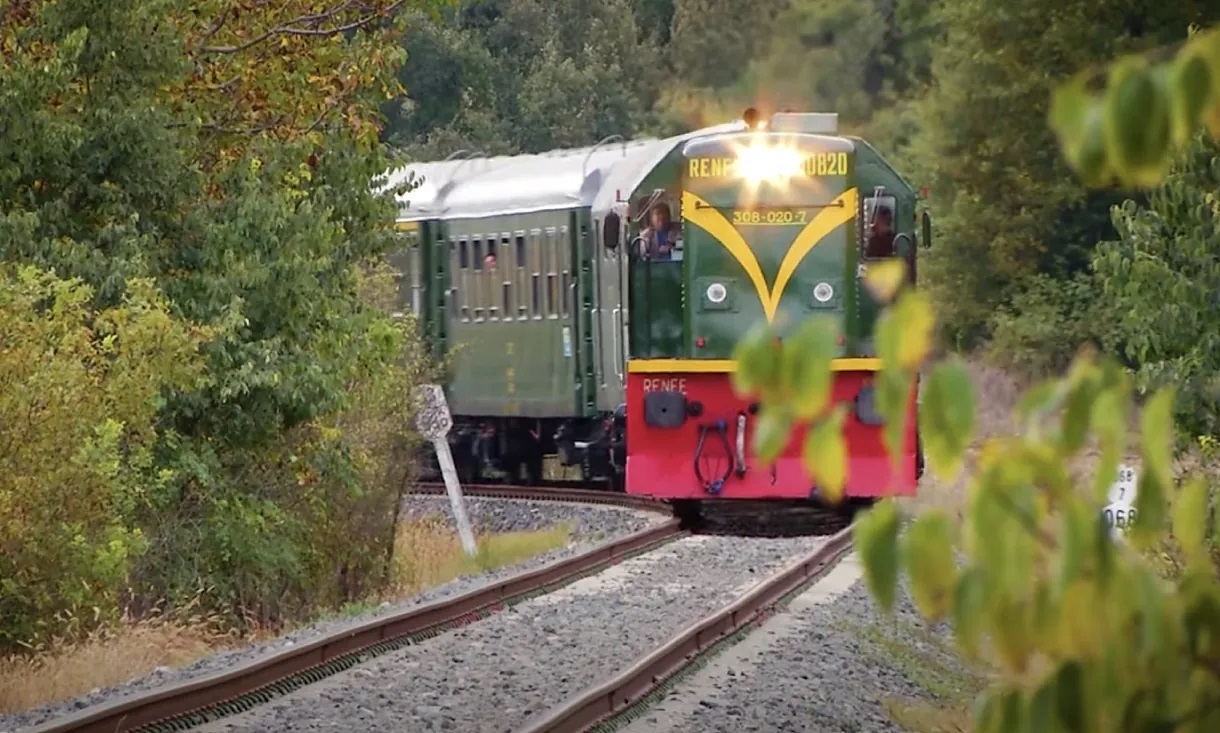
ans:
(550, 493)
(196, 701)
(601, 704)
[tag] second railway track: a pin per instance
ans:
(689, 598)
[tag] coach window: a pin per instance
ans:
(456, 307)
(535, 272)
(522, 276)
(492, 265)
(554, 240)
(415, 272)
(478, 294)
(878, 240)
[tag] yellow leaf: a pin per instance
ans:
(825, 455)
(914, 318)
(884, 278)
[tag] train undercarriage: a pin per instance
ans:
(588, 452)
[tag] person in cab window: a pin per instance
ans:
(658, 240)
(489, 262)
(881, 238)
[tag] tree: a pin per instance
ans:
(224, 154)
(530, 76)
(713, 41)
(1006, 206)
(80, 392)
(825, 56)
(1161, 278)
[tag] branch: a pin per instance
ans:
(218, 129)
(292, 28)
(325, 113)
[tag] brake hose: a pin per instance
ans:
(714, 486)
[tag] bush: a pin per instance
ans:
(78, 393)
(1047, 323)
(307, 521)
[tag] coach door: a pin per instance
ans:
(610, 332)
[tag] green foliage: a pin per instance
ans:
(1049, 319)
(1160, 281)
(1006, 207)
(1145, 113)
(80, 391)
(205, 169)
(793, 377)
(946, 418)
(1084, 632)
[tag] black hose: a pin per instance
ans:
(714, 486)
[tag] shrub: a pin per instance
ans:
(79, 393)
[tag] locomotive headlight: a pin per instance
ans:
(716, 293)
(823, 292)
(765, 162)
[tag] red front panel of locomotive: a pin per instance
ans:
(688, 456)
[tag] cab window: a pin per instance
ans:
(879, 231)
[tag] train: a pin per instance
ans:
(588, 301)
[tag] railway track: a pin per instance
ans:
(201, 701)
(629, 694)
(194, 702)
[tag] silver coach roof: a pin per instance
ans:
(594, 176)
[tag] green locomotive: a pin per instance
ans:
(542, 278)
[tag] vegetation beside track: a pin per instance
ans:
(427, 554)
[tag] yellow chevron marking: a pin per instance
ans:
(701, 214)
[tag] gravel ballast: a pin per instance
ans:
(590, 525)
(497, 674)
(831, 663)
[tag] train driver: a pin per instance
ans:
(663, 234)
(881, 237)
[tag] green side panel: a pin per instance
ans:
(514, 368)
(583, 295)
(512, 317)
(657, 309)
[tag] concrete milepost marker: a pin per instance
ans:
(433, 421)
(1119, 513)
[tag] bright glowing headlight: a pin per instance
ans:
(823, 292)
(716, 293)
(759, 162)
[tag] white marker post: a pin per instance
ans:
(433, 421)
(1120, 513)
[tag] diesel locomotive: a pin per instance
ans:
(589, 300)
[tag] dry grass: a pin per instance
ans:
(922, 717)
(107, 658)
(428, 554)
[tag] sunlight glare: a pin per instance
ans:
(759, 162)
